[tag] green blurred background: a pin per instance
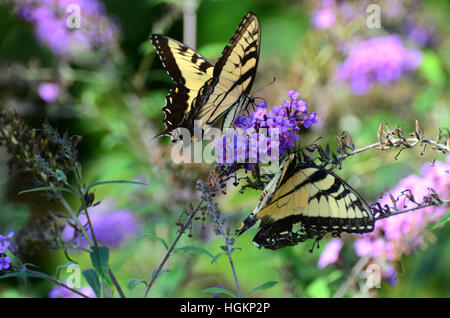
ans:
(112, 96)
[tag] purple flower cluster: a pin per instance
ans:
(111, 227)
(5, 244)
(402, 234)
(62, 292)
(50, 18)
(378, 60)
(282, 124)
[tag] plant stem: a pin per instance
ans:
(169, 252)
(351, 279)
(38, 274)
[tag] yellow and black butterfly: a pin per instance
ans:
(213, 94)
(305, 201)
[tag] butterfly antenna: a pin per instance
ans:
(268, 84)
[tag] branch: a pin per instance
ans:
(169, 252)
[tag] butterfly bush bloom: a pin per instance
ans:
(403, 234)
(331, 253)
(378, 60)
(62, 292)
(111, 227)
(5, 245)
(252, 145)
(52, 22)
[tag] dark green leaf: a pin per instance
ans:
(442, 221)
(46, 189)
(93, 280)
(263, 286)
(100, 261)
(132, 283)
(115, 181)
(215, 258)
(159, 274)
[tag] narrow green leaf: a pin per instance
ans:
(46, 189)
(194, 249)
(100, 261)
(266, 285)
(114, 181)
(215, 258)
(442, 221)
(218, 290)
(132, 283)
(93, 280)
(156, 238)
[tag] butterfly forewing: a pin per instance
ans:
(188, 69)
(234, 74)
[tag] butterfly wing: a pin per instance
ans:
(314, 198)
(233, 75)
(189, 70)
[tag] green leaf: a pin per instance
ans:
(266, 285)
(132, 283)
(159, 274)
(157, 238)
(194, 249)
(219, 290)
(93, 280)
(215, 258)
(100, 261)
(114, 181)
(46, 189)
(442, 221)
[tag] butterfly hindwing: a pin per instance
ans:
(315, 199)
(189, 70)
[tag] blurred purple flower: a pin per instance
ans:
(49, 92)
(378, 60)
(6, 244)
(325, 15)
(50, 20)
(331, 253)
(111, 227)
(62, 292)
(402, 234)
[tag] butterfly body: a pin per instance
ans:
(213, 94)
